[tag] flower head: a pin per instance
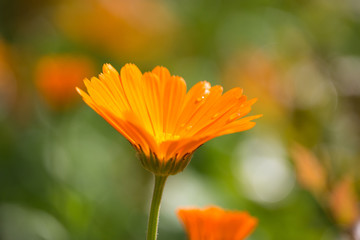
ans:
(160, 119)
(216, 224)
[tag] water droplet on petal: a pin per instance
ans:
(233, 116)
(199, 99)
(215, 116)
(188, 127)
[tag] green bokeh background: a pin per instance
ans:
(67, 174)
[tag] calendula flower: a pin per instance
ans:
(57, 76)
(216, 224)
(160, 119)
(163, 122)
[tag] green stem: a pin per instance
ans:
(155, 207)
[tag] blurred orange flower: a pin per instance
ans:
(216, 224)
(261, 75)
(123, 28)
(8, 81)
(310, 173)
(57, 76)
(163, 122)
(344, 202)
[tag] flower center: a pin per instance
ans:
(162, 137)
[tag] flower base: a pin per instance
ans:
(161, 167)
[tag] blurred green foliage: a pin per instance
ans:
(67, 174)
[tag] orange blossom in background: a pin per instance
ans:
(214, 223)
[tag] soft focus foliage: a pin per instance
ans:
(66, 174)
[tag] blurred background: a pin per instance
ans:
(66, 174)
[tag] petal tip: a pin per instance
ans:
(81, 92)
(108, 68)
(78, 90)
(131, 69)
(254, 100)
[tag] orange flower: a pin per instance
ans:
(310, 173)
(122, 27)
(163, 122)
(344, 202)
(57, 76)
(214, 223)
